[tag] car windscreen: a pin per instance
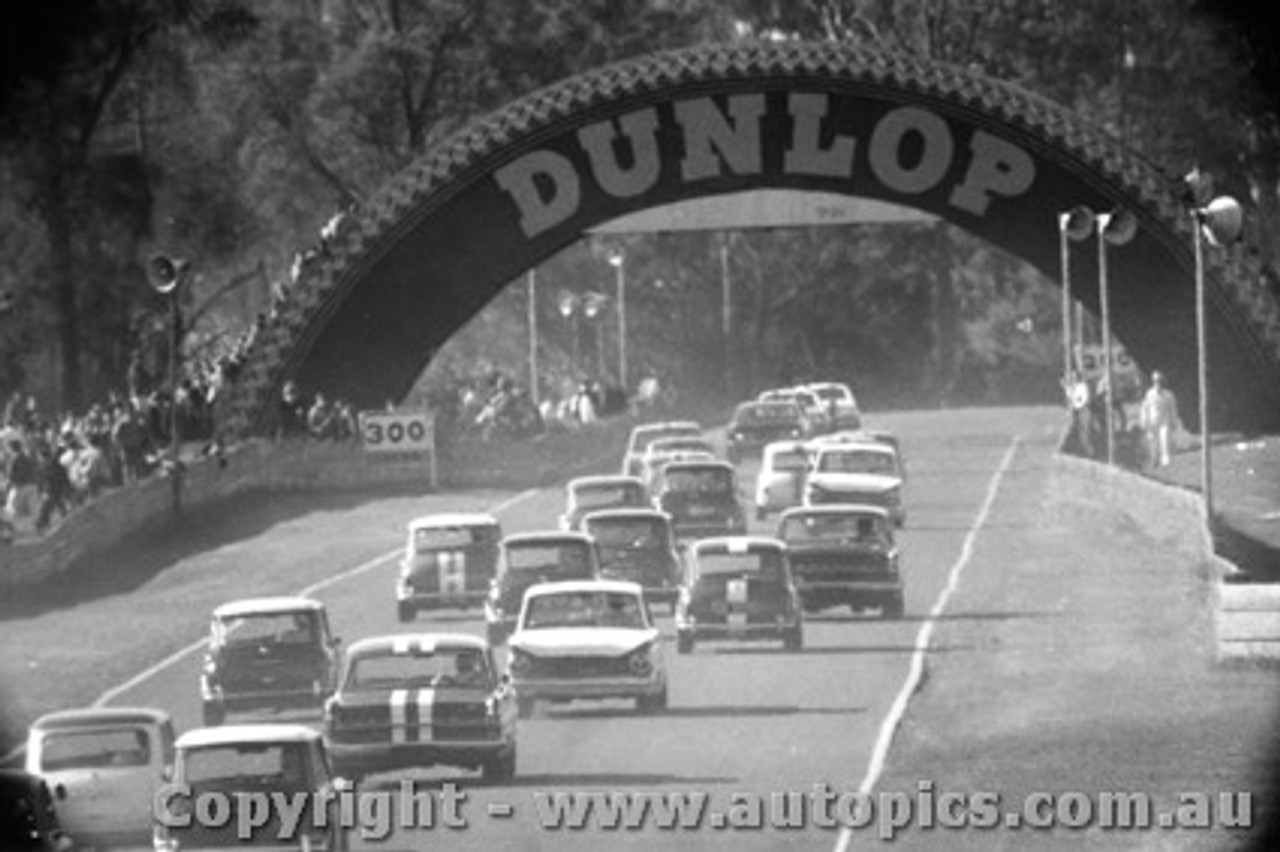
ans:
(628, 533)
(831, 393)
(767, 414)
(427, 539)
(699, 481)
(99, 747)
(596, 495)
(790, 460)
(856, 461)
(680, 445)
(640, 441)
(584, 609)
(766, 565)
(845, 528)
(462, 667)
(290, 628)
(570, 558)
(246, 766)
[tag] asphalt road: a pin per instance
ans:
(745, 720)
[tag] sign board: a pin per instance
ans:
(1091, 363)
(763, 208)
(392, 436)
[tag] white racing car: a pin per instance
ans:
(590, 639)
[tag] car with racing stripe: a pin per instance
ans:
(585, 494)
(415, 700)
(865, 472)
(103, 763)
(638, 545)
(448, 562)
(269, 653)
(587, 640)
(645, 433)
(844, 555)
(755, 424)
(738, 588)
(529, 558)
(242, 766)
(701, 496)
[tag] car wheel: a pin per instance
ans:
(405, 612)
(894, 607)
(685, 642)
(526, 706)
(500, 769)
(214, 714)
(794, 640)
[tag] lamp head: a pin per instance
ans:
(163, 272)
(1221, 220)
(566, 303)
(1076, 223)
(1117, 227)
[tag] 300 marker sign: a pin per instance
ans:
(397, 431)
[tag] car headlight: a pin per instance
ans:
(521, 662)
(640, 661)
(795, 433)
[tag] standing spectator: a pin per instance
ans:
(21, 492)
(1159, 418)
(1076, 389)
(130, 440)
(55, 487)
(91, 473)
(292, 422)
(321, 419)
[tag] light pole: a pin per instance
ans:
(726, 313)
(1220, 221)
(592, 303)
(165, 275)
(1075, 225)
(531, 307)
(619, 262)
(1116, 228)
(568, 305)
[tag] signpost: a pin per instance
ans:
(400, 436)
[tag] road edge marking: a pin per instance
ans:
(151, 671)
(889, 727)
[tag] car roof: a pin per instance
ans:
(547, 537)
(453, 519)
(603, 480)
(259, 733)
(738, 543)
(570, 586)
(626, 514)
(835, 509)
(85, 717)
(859, 445)
(404, 643)
(775, 447)
(266, 606)
(664, 425)
(699, 464)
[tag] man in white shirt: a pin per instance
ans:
(1159, 418)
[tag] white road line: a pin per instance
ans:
(899, 707)
(186, 651)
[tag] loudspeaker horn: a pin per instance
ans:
(163, 272)
(1077, 224)
(1120, 227)
(1221, 220)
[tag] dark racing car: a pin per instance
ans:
(844, 555)
(420, 700)
(638, 545)
(530, 558)
(738, 588)
(448, 562)
(755, 424)
(701, 497)
(268, 654)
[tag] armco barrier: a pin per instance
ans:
(1246, 616)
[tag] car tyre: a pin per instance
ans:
(526, 706)
(685, 642)
(405, 612)
(794, 640)
(655, 703)
(214, 713)
(894, 607)
(501, 769)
